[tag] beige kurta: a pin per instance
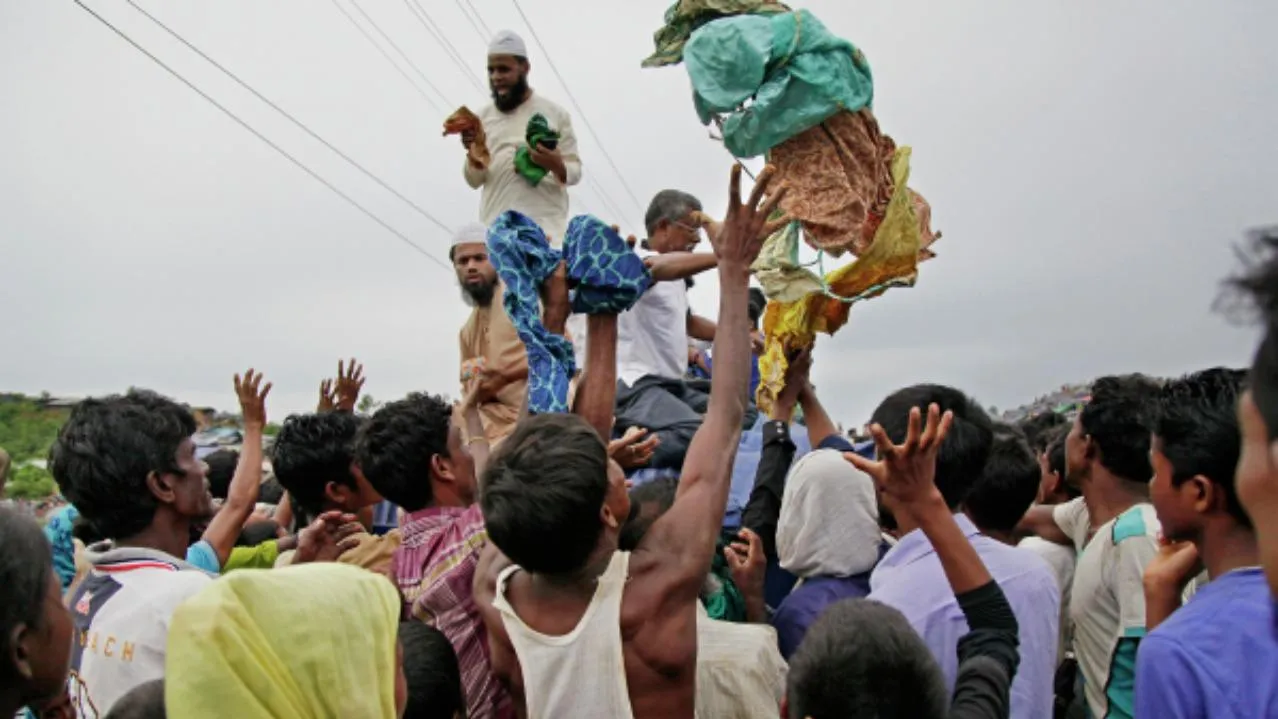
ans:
(488, 333)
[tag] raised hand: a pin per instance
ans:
(796, 381)
(1176, 564)
(907, 472)
(741, 235)
(350, 381)
(327, 398)
(331, 535)
(749, 565)
(635, 448)
(252, 395)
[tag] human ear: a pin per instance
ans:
(160, 487)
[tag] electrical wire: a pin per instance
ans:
(424, 19)
(389, 41)
(300, 165)
(585, 120)
(477, 22)
(296, 122)
(438, 108)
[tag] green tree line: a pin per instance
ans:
(27, 430)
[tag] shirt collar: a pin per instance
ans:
(916, 545)
(432, 516)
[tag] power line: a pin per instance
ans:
(477, 22)
(402, 54)
(585, 120)
(262, 137)
(298, 123)
(426, 22)
(400, 70)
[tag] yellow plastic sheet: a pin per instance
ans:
(799, 312)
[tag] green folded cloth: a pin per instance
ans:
(538, 132)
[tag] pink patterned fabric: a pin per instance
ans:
(434, 569)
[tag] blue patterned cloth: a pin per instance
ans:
(605, 277)
(58, 531)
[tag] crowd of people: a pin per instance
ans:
(662, 548)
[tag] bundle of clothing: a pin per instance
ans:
(778, 83)
(604, 277)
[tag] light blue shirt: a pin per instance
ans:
(910, 578)
(746, 466)
(1216, 657)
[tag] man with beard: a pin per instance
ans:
(490, 346)
(505, 124)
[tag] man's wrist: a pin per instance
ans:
(734, 271)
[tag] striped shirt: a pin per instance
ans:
(434, 569)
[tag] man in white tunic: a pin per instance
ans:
(505, 126)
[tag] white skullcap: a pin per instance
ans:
(472, 234)
(507, 43)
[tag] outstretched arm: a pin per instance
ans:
(685, 536)
(679, 265)
(241, 496)
(597, 394)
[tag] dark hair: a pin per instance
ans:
(107, 448)
(1056, 459)
(1007, 486)
(270, 492)
(255, 533)
(396, 445)
(962, 456)
(661, 492)
(758, 302)
(671, 206)
(1257, 287)
(542, 493)
(1117, 418)
(862, 660)
(312, 450)
(144, 701)
(1196, 426)
(430, 666)
(24, 579)
(222, 465)
(1038, 429)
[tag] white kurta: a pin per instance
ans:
(504, 188)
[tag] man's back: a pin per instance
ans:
(1215, 657)
(121, 613)
(910, 578)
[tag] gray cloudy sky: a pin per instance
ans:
(1090, 165)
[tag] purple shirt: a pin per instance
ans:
(805, 604)
(910, 578)
(1216, 657)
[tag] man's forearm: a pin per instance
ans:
(680, 265)
(700, 328)
(241, 496)
(597, 394)
(820, 426)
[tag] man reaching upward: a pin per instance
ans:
(560, 602)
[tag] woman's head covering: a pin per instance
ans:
(829, 524)
(316, 640)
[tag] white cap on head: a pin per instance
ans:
(471, 234)
(508, 43)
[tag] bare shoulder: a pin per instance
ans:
(658, 619)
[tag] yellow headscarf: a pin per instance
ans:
(304, 642)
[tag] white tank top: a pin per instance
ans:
(582, 673)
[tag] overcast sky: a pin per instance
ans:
(1091, 166)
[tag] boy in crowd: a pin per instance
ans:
(559, 600)
(1115, 529)
(313, 458)
(910, 577)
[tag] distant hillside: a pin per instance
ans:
(28, 426)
